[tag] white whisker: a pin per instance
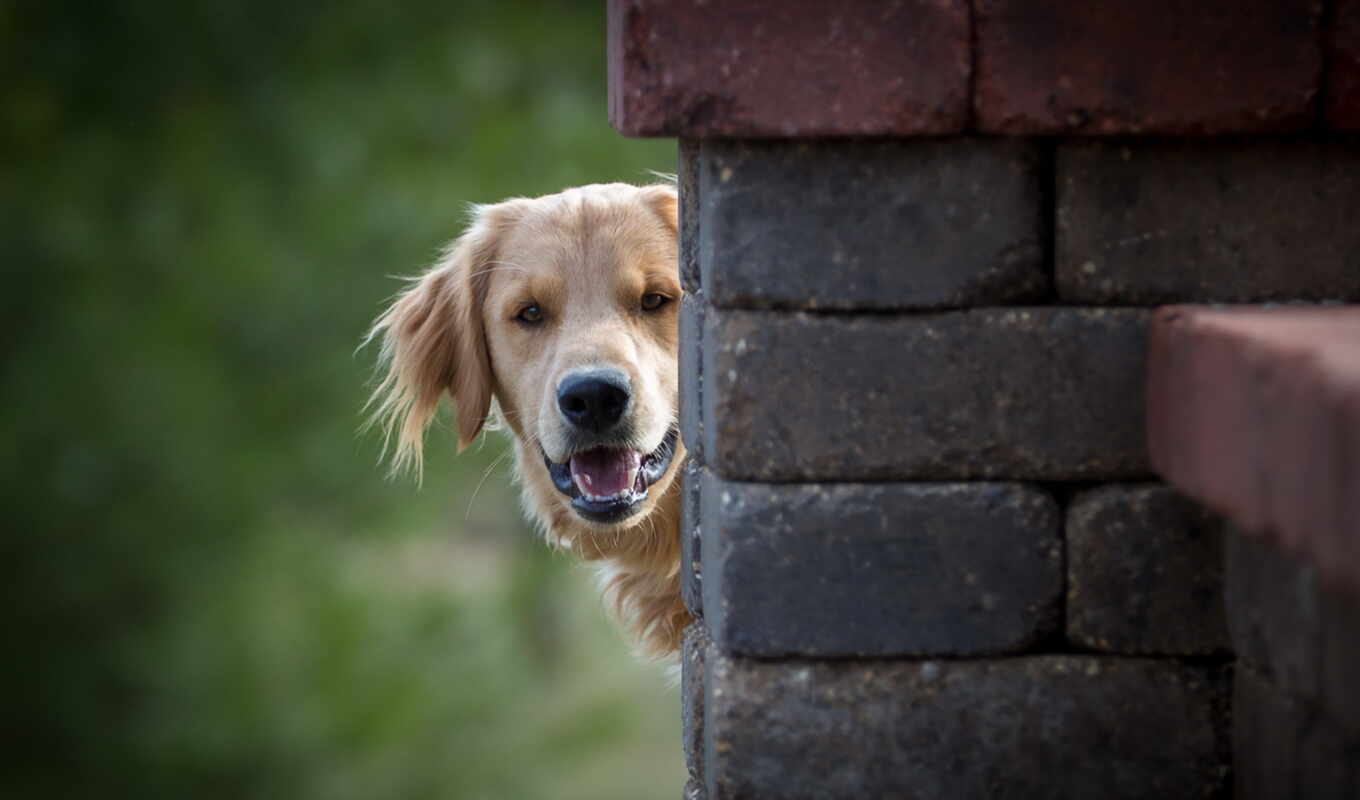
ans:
(468, 513)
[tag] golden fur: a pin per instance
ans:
(584, 256)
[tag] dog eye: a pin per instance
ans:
(654, 300)
(530, 315)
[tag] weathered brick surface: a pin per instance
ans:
(692, 375)
(1265, 739)
(691, 544)
(691, 432)
(1287, 625)
(1146, 66)
(1339, 681)
(688, 185)
(1286, 749)
(788, 67)
(1343, 61)
(694, 790)
(1273, 613)
(880, 569)
(1256, 413)
(1046, 393)
(1144, 572)
(1046, 726)
(694, 645)
(1168, 221)
(866, 224)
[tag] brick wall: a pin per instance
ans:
(1258, 414)
(922, 530)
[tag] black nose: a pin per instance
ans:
(593, 401)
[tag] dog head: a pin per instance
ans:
(563, 310)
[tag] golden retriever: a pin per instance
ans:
(558, 316)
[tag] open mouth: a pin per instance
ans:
(607, 484)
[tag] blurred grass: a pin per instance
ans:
(212, 590)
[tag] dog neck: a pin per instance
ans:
(638, 566)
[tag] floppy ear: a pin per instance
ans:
(433, 343)
(664, 202)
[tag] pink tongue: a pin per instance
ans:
(604, 471)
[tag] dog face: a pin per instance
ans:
(564, 309)
(580, 316)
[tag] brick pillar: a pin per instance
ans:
(922, 533)
(1257, 412)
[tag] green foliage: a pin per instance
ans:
(212, 589)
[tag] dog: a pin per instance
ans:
(557, 317)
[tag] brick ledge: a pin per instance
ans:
(1256, 413)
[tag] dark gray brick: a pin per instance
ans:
(688, 180)
(1285, 748)
(694, 790)
(1034, 393)
(1265, 739)
(1329, 764)
(691, 375)
(871, 224)
(1301, 634)
(1144, 572)
(1343, 65)
(691, 544)
(1340, 676)
(1273, 613)
(880, 569)
(1154, 222)
(693, 647)
(1033, 727)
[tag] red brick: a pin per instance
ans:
(1146, 66)
(1343, 58)
(1256, 413)
(788, 67)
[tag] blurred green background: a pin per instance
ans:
(212, 590)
